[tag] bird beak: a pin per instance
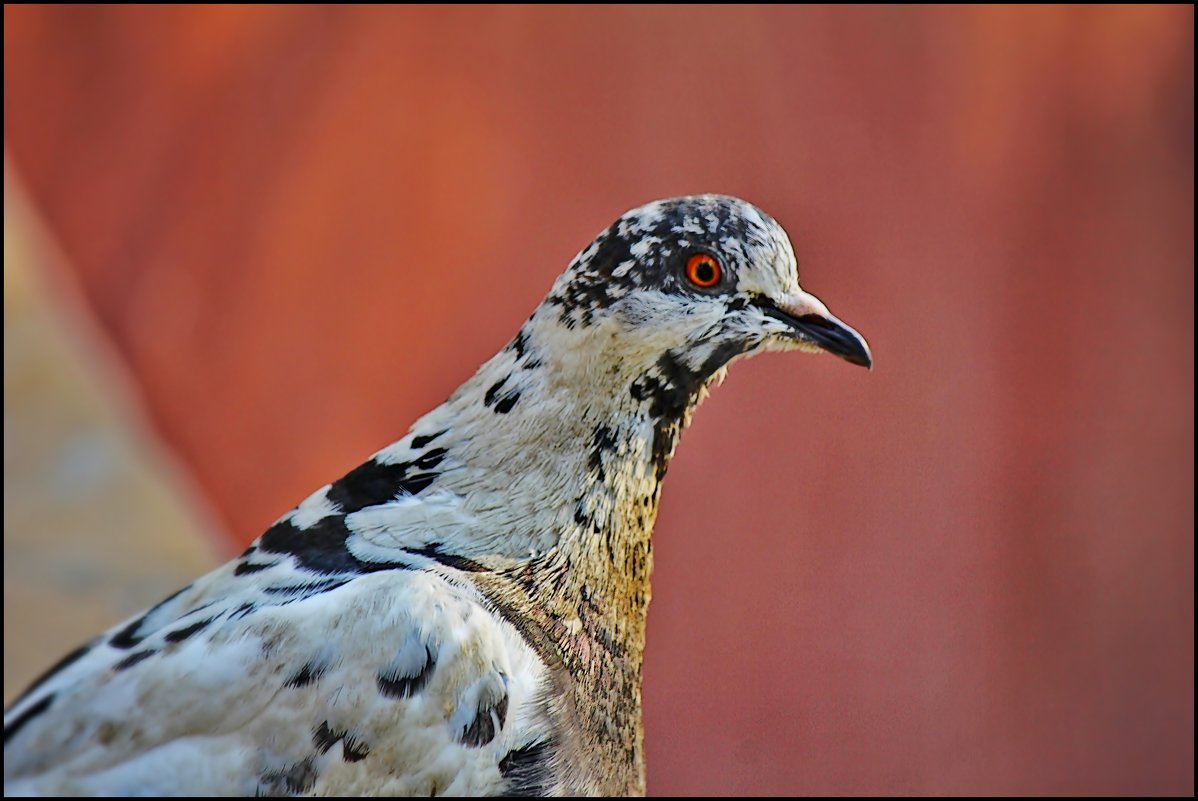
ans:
(813, 323)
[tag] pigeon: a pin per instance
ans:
(464, 613)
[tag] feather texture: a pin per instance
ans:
(464, 613)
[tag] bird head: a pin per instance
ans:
(686, 285)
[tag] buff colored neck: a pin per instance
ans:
(564, 488)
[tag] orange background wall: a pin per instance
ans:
(970, 571)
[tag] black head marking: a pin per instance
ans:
(648, 247)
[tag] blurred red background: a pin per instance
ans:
(970, 571)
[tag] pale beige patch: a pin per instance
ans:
(98, 524)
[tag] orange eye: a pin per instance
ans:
(703, 271)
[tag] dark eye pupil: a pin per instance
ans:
(704, 272)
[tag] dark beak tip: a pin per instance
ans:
(855, 354)
(837, 339)
(831, 335)
(864, 359)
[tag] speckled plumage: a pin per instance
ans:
(464, 614)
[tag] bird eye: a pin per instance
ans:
(703, 271)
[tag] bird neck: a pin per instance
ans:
(556, 448)
(557, 456)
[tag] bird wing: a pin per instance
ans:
(283, 680)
